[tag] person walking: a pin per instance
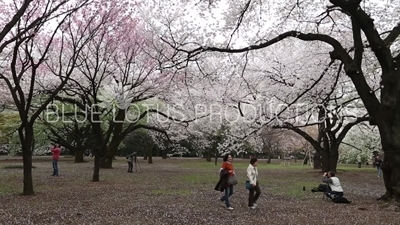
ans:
(223, 185)
(378, 164)
(56, 151)
(252, 178)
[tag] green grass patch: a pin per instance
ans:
(241, 164)
(9, 167)
(354, 168)
(199, 178)
(171, 192)
(294, 189)
(8, 189)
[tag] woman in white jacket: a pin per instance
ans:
(252, 176)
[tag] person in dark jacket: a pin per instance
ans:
(223, 185)
(131, 158)
(378, 164)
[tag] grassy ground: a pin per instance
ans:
(180, 191)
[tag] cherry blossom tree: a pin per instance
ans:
(329, 25)
(120, 71)
(363, 140)
(31, 32)
(72, 135)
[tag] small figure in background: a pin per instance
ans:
(378, 164)
(130, 158)
(56, 150)
(359, 160)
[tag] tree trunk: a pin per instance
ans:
(33, 145)
(96, 170)
(333, 158)
(269, 157)
(79, 155)
(215, 153)
(208, 156)
(117, 137)
(317, 161)
(106, 162)
(164, 154)
(391, 162)
(26, 137)
(325, 161)
(27, 164)
(158, 154)
(150, 154)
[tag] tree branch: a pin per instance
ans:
(239, 22)
(349, 126)
(352, 146)
(7, 28)
(300, 132)
(366, 23)
(358, 45)
(138, 126)
(393, 35)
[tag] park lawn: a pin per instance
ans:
(180, 191)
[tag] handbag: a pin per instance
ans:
(232, 180)
(248, 185)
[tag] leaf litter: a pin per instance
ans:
(168, 193)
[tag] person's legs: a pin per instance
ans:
(379, 171)
(258, 192)
(333, 194)
(55, 167)
(228, 193)
(329, 194)
(251, 197)
(130, 167)
(338, 194)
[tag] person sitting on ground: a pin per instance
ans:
(335, 189)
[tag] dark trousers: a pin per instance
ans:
(130, 167)
(55, 167)
(254, 197)
(333, 194)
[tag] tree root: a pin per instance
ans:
(386, 197)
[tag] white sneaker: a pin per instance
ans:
(255, 204)
(230, 208)
(252, 207)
